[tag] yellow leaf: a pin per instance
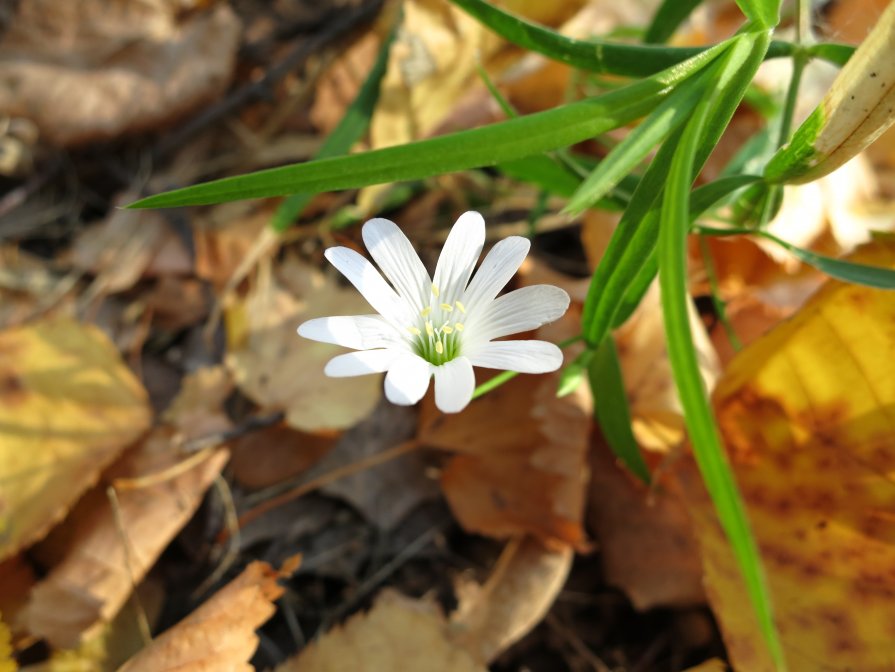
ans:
(808, 415)
(398, 633)
(68, 407)
(7, 664)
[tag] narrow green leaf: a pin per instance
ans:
(625, 156)
(611, 408)
(350, 129)
(704, 437)
(634, 239)
(763, 13)
(848, 271)
(486, 146)
(606, 56)
(668, 17)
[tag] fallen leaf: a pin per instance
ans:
(398, 633)
(520, 457)
(275, 454)
(68, 407)
(7, 662)
(386, 493)
(220, 634)
(520, 591)
(806, 412)
(279, 370)
(92, 71)
(113, 644)
(647, 545)
(95, 578)
(17, 578)
(658, 419)
(225, 235)
(96, 573)
(713, 665)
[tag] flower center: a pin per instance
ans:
(440, 325)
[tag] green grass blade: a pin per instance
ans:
(350, 129)
(634, 239)
(605, 56)
(611, 408)
(763, 13)
(668, 17)
(486, 146)
(625, 156)
(861, 274)
(704, 436)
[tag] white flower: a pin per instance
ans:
(441, 327)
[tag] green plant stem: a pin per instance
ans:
(506, 376)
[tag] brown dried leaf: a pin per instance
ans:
(518, 594)
(658, 420)
(96, 576)
(521, 457)
(647, 545)
(279, 370)
(127, 246)
(398, 633)
(220, 635)
(92, 70)
(68, 407)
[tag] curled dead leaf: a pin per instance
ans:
(219, 635)
(520, 591)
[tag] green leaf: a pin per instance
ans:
(634, 239)
(625, 156)
(605, 56)
(350, 129)
(763, 13)
(611, 408)
(668, 17)
(704, 437)
(486, 146)
(860, 274)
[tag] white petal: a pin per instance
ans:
(459, 256)
(520, 310)
(407, 379)
(499, 266)
(360, 363)
(360, 332)
(521, 356)
(396, 257)
(454, 385)
(364, 276)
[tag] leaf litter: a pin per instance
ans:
(506, 538)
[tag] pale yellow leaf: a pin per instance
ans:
(68, 407)
(398, 633)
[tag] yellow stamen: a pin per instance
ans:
(460, 307)
(435, 289)
(458, 326)
(446, 307)
(414, 331)
(448, 330)
(430, 332)
(439, 348)
(425, 311)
